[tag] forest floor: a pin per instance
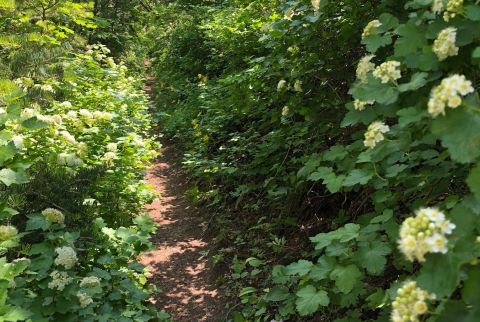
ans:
(177, 264)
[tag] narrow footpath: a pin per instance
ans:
(177, 264)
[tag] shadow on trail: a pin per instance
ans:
(178, 268)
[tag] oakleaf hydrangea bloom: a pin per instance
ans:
(371, 28)
(112, 147)
(68, 159)
(388, 71)
(59, 280)
(7, 232)
(375, 133)
(444, 45)
(102, 116)
(18, 141)
(2, 111)
(90, 281)
(84, 299)
(54, 215)
(437, 6)
(67, 257)
(316, 5)
(410, 303)
(66, 104)
(361, 105)
(289, 14)
(282, 84)
(454, 8)
(285, 111)
(424, 233)
(364, 67)
(297, 86)
(448, 93)
(68, 137)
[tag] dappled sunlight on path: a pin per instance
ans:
(177, 265)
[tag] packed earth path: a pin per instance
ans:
(177, 264)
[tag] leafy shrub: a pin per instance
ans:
(387, 187)
(74, 145)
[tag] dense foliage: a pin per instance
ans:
(352, 123)
(75, 140)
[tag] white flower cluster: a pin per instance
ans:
(59, 280)
(54, 120)
(68, 159)
(361, 105)
(410, 303)
(66, 104)
(18, 141)
(282, 84)
(84, 299)
(297, 86)
(454, 8)
(316, 5)
(90, 281)
(444, 45)
(67, 257)
(285, 111)
(388, 71)
(371, 28)
(448, 93)
(112, 147)
(54, 215)
(424, 233)
(364, 67)
(437, 6)
(67, 137)
(7, 232)
(289, 14)
(375, 133)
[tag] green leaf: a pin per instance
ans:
(309, 300)
(476, 53)
(372, 256)
(346, 233)
(412, 37)
(410, 115)
(321, 173)
(459, 133)
(7, 152)
(417, 81)
(37, 222)
(278, 293)
(322, 269)
(470, 292)
(473, 181)
(375, 90)
(302, 267)
(9, 177)
(358, 176)
(334, 183)
(472, 12)
(374, 42)
(346, 277)
(336, 152)
(34, 124)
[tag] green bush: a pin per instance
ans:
(387, 187)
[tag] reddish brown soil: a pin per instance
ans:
(185, 277)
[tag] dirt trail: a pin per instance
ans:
(178, 268)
